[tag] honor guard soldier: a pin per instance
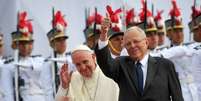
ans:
(25, 71)
(57, 40)
(115, 34)
(182, 58)
(177, 36)
(195, 28)
(149, 26)
(92, 30)
(160, 30)
(168, 30)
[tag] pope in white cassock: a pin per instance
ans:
(88, 83)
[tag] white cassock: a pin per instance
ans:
(97, 88)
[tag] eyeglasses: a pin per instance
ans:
(133, 42)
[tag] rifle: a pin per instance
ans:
(55, 77)
(94, 30)
(86, 12)
(17, 80)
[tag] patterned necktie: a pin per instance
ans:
(139, 76)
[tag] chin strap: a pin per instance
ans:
(113, 49)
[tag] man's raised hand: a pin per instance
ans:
(105, 26)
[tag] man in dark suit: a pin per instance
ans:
(140, 77)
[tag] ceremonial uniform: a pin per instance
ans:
(51, 75)
(195, 27)
(22, 74)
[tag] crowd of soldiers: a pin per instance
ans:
(31, 78)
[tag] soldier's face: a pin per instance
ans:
(152, 38)
(197, 34)
(169, 33)
(85, 62)
(25, 48)
(60, 45)
(91, 41)
(177, 36)
(135, 44)
(161, 38)
(116, 43)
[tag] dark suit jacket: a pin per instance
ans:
(161, 81)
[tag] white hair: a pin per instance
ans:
(136, 29)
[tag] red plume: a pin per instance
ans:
(158, 16)
(24, 23)
(113, 14)
(92, 19)
(142, 13)
(129, 16)
(175, 11)
(59, 19)
(109, 10)
(195, 12)
(99, 18)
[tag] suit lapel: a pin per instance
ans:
(151, 71)
(129, 68)
(131, 71)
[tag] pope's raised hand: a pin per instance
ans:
(65, 76)
(105, 26)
